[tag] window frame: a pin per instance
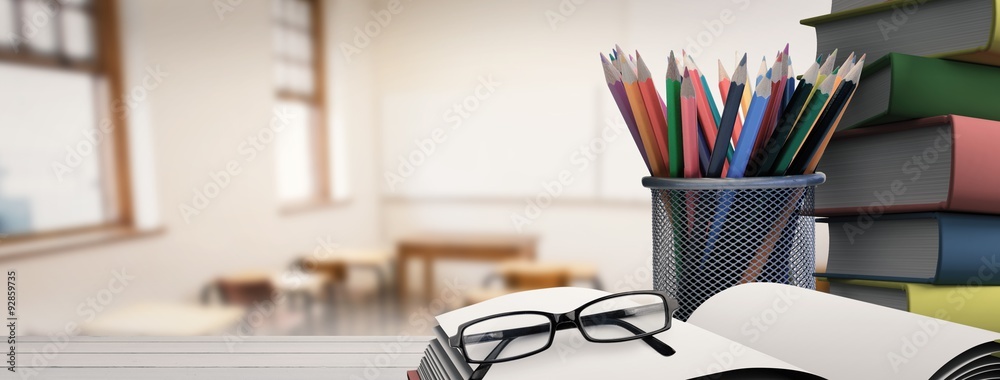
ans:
(105, 63)
(317, 102)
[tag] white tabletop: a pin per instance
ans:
(210, 357)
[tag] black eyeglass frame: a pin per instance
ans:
(562, 321)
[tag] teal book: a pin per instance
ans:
(931, 248)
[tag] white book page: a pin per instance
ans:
(836, 337)
(698, 352)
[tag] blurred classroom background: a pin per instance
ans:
(341, 167)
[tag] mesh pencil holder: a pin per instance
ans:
(710, 234)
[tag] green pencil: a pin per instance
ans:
(674, 138)
(802, 127)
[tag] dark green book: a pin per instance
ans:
(902, 87)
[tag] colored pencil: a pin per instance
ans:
(755, 115)
(770, 113)
(802, 127)
(708, 126)
(826, 68)
(764, 159)
(710, 98)
(654, 108)
(843, 70)
(724, 83)
(614, 80)
(821, 134)
(789, 84)
(748, 90)
(729, 117)
(689, 124)
(703, 150)
(675, 129)
(630, 79)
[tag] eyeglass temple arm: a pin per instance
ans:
(481, 370)
(658, 345)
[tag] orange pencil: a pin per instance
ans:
(651, 100)
(630, 80)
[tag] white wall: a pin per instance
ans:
(427, 58)
(217, 93)
(553, 100)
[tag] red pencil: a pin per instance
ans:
(689, 125)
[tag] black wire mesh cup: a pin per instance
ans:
(710, 234)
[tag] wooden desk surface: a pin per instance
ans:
(219, 357)
(468, 241)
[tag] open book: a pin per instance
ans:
(752, 331)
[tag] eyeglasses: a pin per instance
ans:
(613, 318)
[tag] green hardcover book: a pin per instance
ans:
(902, 87)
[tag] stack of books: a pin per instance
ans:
(913, 184)
(750, 331)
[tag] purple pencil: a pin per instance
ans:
(614, 79)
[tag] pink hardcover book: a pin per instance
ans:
(942, 163)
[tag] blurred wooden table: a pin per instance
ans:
(433, 247)
(218, 357)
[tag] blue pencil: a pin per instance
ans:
(789, 85)
(748, 137)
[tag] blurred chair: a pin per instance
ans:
(335, 269)
(521, 275)
(165, 319)
(245, 289)
(269, 294)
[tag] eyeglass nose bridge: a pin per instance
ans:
(566, 318)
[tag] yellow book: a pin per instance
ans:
(977, 306)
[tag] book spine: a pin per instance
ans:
(923, 87)
(975, 182)
(968, 253)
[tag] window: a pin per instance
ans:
(302, 146)
(62, 146)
